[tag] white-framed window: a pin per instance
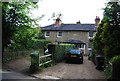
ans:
(47, 34)
(59, 34)
(90, 34)
(90, 46)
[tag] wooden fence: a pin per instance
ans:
(37, 60)
(45, 56)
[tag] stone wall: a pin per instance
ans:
(79, 35)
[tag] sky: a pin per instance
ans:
(72, 11)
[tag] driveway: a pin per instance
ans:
(14, 75)
(72, 71)
(60, 71)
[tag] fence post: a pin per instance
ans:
(34, 60)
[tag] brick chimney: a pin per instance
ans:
(78, 22)
(58, 22)
(97, 20)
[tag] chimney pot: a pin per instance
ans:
(78, 22)
(97, 20)
(58, 21)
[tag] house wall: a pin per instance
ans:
(79, 35)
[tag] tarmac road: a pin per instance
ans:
(14, 75)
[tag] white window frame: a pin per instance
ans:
(46, 34)
(90, 37)
(90, 48)
(58, 34)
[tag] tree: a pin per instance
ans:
(111, 28)
(54, 16)
(107, 38)
(16, 23)
(97, 41)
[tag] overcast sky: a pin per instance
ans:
(72, 10)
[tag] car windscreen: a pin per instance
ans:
(74, 51)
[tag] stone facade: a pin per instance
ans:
(78, 35)
(59, 32)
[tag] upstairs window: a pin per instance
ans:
(59, 34)
(91, 34)
(47, 34)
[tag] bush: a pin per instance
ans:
(108, 72)
(40, 43)
(115, 59)
(111, 70)
(59, 51)
(19, 51)
(30, 45)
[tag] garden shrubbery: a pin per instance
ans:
(107, 40)
(12, 52)
(59, 51)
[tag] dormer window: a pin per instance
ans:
(59, 34)
(47, 34)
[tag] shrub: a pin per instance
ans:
(19, 51)
(59, 51)
(115, 59)
(108, 72)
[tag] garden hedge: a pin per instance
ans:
(59, 51)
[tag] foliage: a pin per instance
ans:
(59, 51)
(115, 59)
(97, 41)
(107, 37)
(66, 44)
(7, 57)
(108, 72)
(40, 43)
(55, 15)
(17, 25)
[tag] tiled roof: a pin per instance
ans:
(75, 27)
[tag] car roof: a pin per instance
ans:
(74, 51)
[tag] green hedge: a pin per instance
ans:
(40, 43)
(12, 52)
(30, 45)
(59, 51)
(113, 71)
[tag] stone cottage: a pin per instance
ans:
(60, 33)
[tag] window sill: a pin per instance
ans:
(90, 37)
(89, 49)
(47, 36)
(59, 36)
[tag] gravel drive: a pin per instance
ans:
(60, 71)
(73, 71)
